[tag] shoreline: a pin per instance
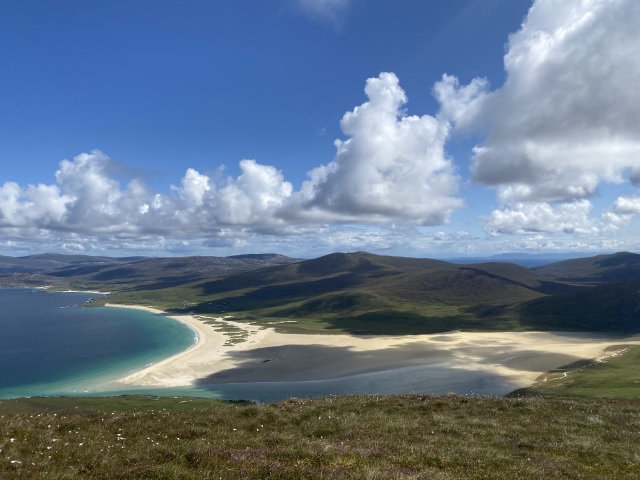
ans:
(515, 359)
(201, 336)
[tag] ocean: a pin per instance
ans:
(51, 344)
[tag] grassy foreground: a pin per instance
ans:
(375, 437)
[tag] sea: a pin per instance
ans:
(53, 343)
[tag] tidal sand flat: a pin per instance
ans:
(483, 363)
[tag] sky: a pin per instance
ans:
(305, 127)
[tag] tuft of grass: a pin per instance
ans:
(377, 437)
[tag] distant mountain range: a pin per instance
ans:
(360, 292)
(528, 260)
(90, 272)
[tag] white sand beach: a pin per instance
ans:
(269, 356)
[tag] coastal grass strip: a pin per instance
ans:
(616, 375)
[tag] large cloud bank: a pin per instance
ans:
(566, 119)
(391, 169)
(564, 123)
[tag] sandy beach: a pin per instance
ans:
(516, 359)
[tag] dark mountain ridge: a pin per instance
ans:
(601, 269)
(107, 272)
(365, 293)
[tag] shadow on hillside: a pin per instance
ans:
(387, 321)
(392, 322)
(273, 295)
(168, 282)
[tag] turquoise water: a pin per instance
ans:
(52, 345)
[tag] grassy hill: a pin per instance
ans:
(375, 437)
(363, 293)
(616, 376)
(610, 307)
(359, 292)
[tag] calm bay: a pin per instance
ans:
(51, 344)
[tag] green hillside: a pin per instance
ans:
(535, 433)
(616, 376)
(366, 294)
(362, 293)
(358, 292)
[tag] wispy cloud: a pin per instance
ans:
(331, 12)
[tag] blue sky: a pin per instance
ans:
(309, 126)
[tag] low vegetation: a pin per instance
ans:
(616, 375)
(376, 437)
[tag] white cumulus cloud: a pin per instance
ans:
(36, 206)
(627, 205)
(253, 199)
(566, 118)
(391, 168)
(623, 210)
(390, 171)
(532, 217)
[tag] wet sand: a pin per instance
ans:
(516, 358)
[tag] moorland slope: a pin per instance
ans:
(364, 293)
(359, 292)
